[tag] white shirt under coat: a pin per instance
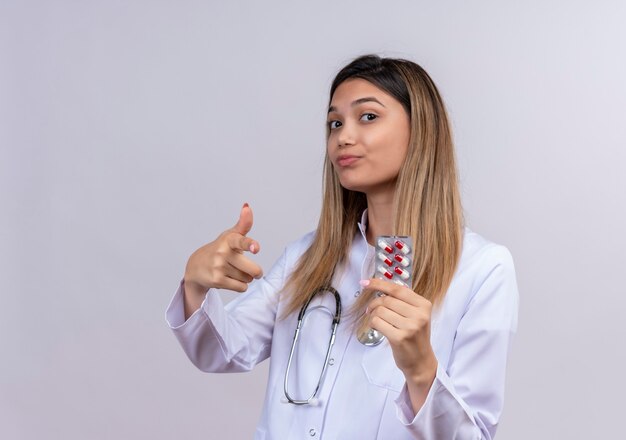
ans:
(363, 394)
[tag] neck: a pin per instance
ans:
(379, 216)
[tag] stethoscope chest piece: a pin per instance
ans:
(370, 337)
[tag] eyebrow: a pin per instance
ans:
(357, 102)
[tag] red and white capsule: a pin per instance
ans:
(402, 246)
(400, 283)
(385, 246)
(385, 272)
(402, 260)
(385, 259)
(403, 273)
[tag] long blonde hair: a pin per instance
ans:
(427, 202)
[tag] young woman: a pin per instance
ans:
(439, 372)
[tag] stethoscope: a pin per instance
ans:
(313, 399)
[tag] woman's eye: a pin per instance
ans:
(370, 117)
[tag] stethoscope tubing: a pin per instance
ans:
(331, 342)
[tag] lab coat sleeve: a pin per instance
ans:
(231, 338)
(466, 398)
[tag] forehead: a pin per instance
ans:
(356, 88)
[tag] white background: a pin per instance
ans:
(131, 132)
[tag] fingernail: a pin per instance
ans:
(245, 205)
(364, 283)
(252, 248)
(367, 310)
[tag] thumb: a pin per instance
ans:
(244, 224)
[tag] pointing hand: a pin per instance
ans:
(222, 263)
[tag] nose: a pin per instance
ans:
(346, 135)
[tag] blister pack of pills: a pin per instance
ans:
(393, 261)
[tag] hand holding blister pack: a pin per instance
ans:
(393, 261)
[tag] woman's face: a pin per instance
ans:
(369, 136)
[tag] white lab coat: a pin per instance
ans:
(363, 395)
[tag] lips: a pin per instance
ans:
(346, 160)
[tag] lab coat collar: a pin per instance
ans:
(363, 224)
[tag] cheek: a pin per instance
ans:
(398, 145)
(389, 151)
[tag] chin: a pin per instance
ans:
(359, 185)
(353, 186)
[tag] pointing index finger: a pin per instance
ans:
(240, 243)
